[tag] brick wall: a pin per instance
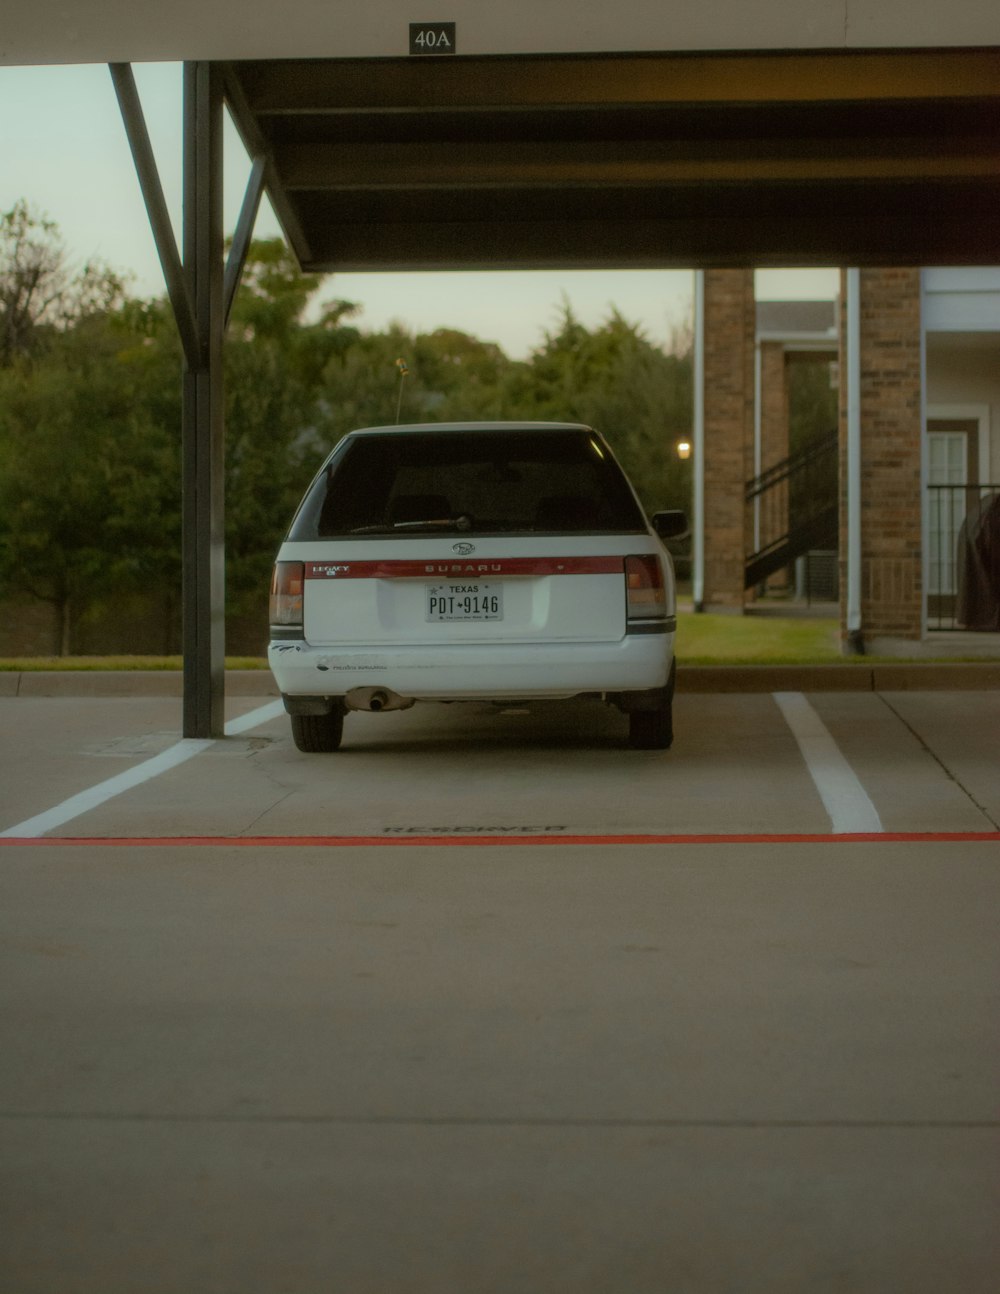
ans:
(891, 501)
(729, 383)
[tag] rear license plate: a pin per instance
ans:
(465, 602)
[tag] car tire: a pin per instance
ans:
(318, 734)
(654, 729)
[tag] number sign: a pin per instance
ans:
(432, 38)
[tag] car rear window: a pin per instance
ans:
(483, 482)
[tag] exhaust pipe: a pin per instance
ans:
(376, 699)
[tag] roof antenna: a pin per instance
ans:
(403, 371)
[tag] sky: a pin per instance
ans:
(64, 150)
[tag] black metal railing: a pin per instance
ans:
(796, 508)
(963, 575)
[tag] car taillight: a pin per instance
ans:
(645, 592)
(286, 593)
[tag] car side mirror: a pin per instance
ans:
(672, 524)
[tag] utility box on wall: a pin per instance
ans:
(817, 576)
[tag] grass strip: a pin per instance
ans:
(34, 664)
(704, 639)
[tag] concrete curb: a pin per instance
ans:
(960, 676)
(126, 682)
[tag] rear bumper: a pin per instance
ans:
(460, 672)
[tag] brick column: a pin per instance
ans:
(729, 382)
(891, 502)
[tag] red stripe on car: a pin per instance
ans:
(464, 568)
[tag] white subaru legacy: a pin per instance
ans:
(473, 562)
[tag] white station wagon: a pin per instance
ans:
(473, 562)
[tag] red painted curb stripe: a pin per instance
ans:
(365, 842)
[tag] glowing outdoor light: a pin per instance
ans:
(683, 449)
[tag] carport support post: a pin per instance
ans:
(203, 551)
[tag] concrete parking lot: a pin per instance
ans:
(488, 1001)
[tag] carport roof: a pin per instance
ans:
(635, 161)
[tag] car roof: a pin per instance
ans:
(448, 427)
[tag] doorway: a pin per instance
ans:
(953, 478)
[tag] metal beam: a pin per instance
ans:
(399, 167)
(156, 206)
(926, 235)
(201, 297)
(390, 85)
(237, 258)
(257, 147)
(202, 432)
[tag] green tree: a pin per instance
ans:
(275, 359)
(364, 386)
(637, 395)
(88, 479)
(33, 278)
(396, 376)
(38, 291)
(90, 493)
(464, 377)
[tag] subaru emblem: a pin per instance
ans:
(463, 550)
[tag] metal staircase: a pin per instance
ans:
(797, 507)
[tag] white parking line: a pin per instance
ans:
(184, 750)
(843, 796)
(845, 799)
(254, 719)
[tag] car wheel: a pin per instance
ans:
(654, 729)
(318, 734)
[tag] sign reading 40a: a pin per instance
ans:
(432, 38)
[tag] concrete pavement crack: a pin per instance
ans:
(248, 829)
(940, 762)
